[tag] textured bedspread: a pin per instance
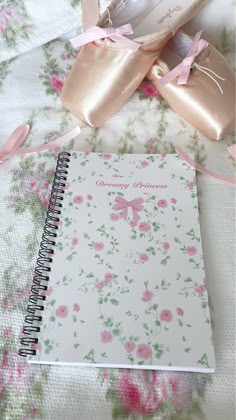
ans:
(34, 60)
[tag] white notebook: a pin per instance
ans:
(125, 285)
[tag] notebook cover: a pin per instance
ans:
(127, 285)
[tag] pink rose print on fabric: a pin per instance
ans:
(180, 311)
(13, 18)
(130, 346)
(105, 374)
(89, 197)
(143, 351)
(78, 199)
(62, 311)
(148, 89)
(7, 332)
(74, 241)
(98, 246)
(173, 201)
(14, 373)
(13, 300)
(162, 203)
(138, 392)
(5, 17)
(191, 250)
(204, 281)
(33, 410)
(200, 289)
(37, 186)
(144, 257)
(147, 296)
(150, 146)
(142, 392)
(106, 336)
(114, 217)
(47, 292)
(163, 155)
(56, 82)
(166, 315)
(144, 227)
(106, 156)
(108, 277)
(166, 246)
(37, 346)
(100, 285)
(76, 307)
(144, 163)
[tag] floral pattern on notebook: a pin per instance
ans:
(127, 284)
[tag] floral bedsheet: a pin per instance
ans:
(30, 83)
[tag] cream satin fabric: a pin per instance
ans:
(105, 75)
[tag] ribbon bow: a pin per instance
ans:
(11, 147)
(136, 206)
(93, 33)
(182, 71)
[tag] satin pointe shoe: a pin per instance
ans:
(110, 66)
(198, 84)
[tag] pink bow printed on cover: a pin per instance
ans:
(93, 33)
(182, 71)
(136, 206)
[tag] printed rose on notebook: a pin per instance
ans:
(127, 283)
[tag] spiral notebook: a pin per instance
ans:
(120, 279)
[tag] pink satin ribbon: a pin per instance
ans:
(182, 71)
(135, 205)
(11, 147)
(93, 33)
(225, 179)
(232, 151)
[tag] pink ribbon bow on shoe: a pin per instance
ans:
(182, 71)
(94, 33)
(136, 206)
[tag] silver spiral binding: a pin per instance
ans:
(45, 258)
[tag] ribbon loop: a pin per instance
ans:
(11, 147)
(182, 71)
(225, 179)
(93, 33)
(232, 151)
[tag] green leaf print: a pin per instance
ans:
(165, 260)
(159, 351)
(204, 361)
(90, 356)
(4, 71)
(114, 302)
(116, 332)
(70, 257)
